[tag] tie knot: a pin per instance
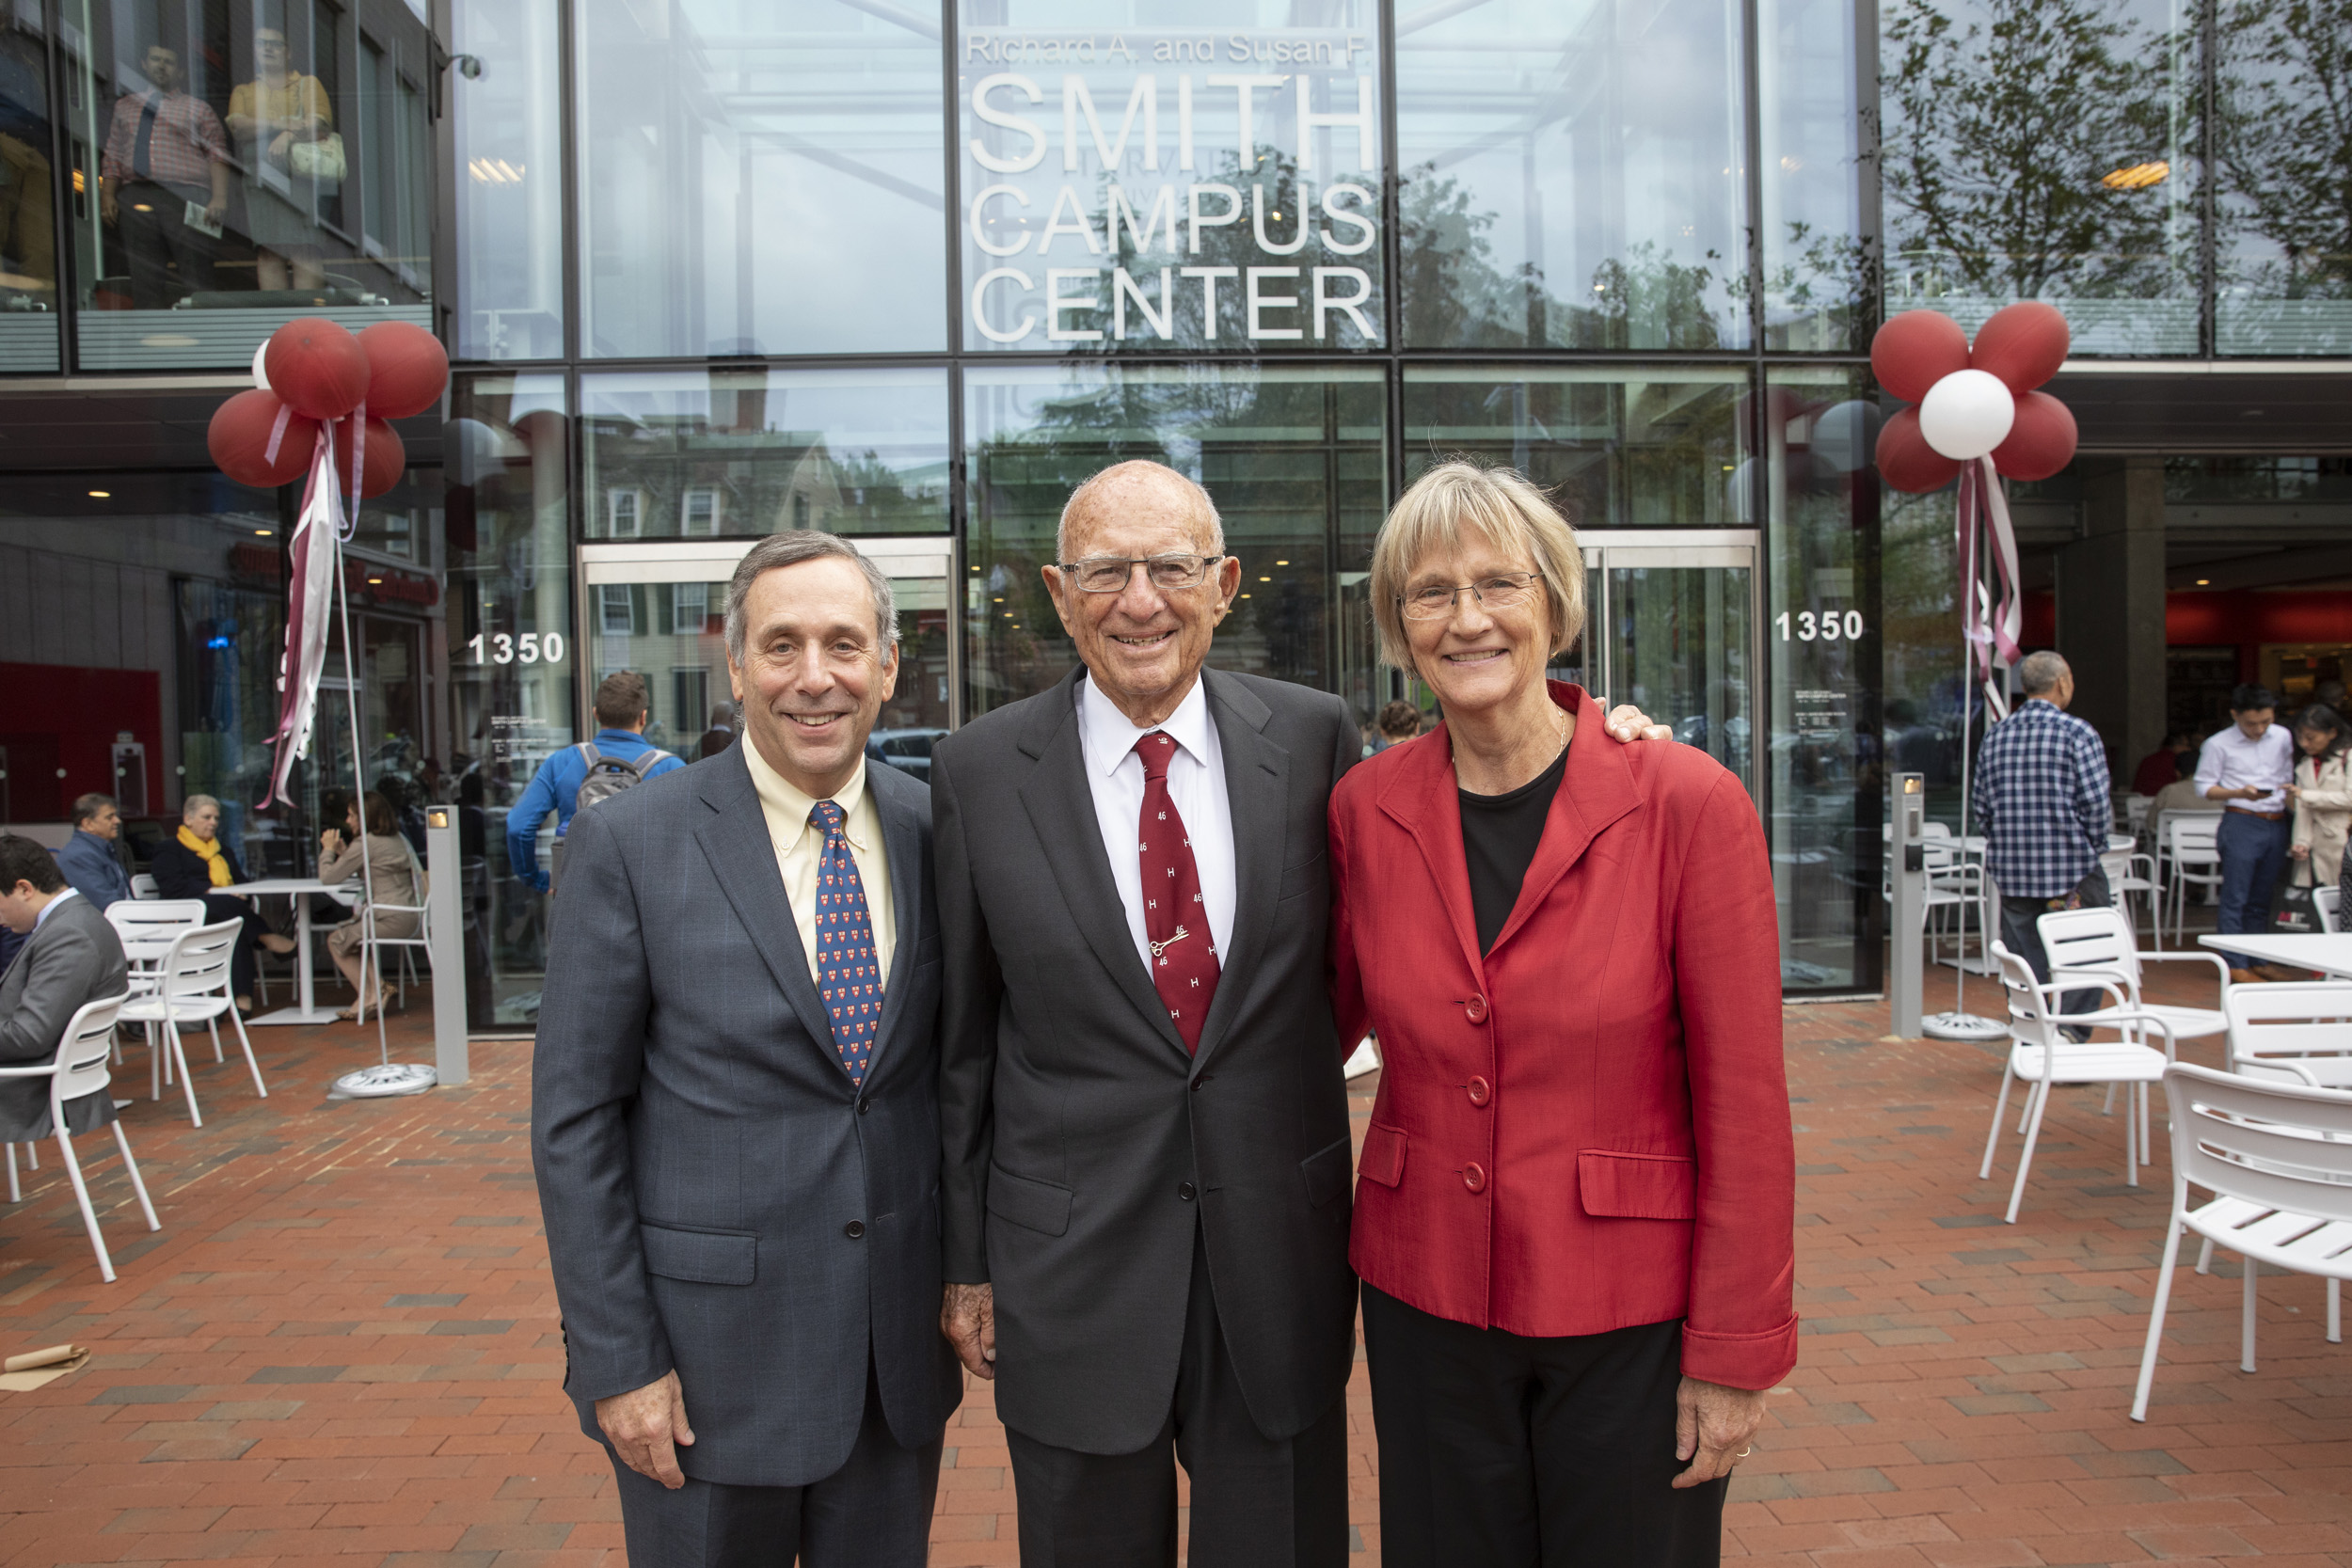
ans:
(828, 816)
(1157, 749)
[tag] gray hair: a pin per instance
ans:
(194, 803)
(87, 806)
(790, 549)
(2038, 674)
(1121, 474)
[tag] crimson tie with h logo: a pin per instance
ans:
(1184, 955)
(847, 972)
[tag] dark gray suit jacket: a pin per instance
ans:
(1074, 1121)
(702, 1157)
(73, 959)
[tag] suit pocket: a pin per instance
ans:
(1325, 1171)
(1037, 1204)
(1310, 876)
(1637, 1186)
(705, 1256)
(1384, 1155)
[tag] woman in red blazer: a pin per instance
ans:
(1574, 1217)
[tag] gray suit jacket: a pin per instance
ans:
(74, 957)
(1084, 1147)
(719, 1197)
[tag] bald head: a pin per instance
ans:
(1125, 488)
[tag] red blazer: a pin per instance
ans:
(1587, 1129)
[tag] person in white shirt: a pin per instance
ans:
(2246, 769)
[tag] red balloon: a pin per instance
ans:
(239, 434)
(2041, 442)
(1906, 462)
(2023, 344)
(317, 367)
(1915, 350)
(408, 369)
(386, 459)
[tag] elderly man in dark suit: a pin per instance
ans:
(71, 956)
(1145, 1163)
(733, 1111)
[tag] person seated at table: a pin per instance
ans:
(71, 957)
(196, 864)
(91, 859)
(391, 872)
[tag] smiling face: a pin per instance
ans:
(1144, 645)
(815, 671)
(1479, 658)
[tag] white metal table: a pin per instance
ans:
(2329, 953)
(299, 888)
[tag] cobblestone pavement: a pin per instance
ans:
(342, 1348)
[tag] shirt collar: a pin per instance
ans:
(789, 801)
(69, 892)
(1110, 735)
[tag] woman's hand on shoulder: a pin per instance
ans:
(1627, 723)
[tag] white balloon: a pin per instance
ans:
(261, 376)
(1968, 414)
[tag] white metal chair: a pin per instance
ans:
(79, 1068)
(372, 940)
(2133, 876)
(2292, 1034)
(143, 886)
(2189, 856)
(2100, 943)
(2325, 900)
(148, 927)
(2278, 1159)
(2136, 814)
(2040, 1055)
(194, 986)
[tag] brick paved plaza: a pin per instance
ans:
(342, 1348)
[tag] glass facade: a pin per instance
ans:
(909, 271)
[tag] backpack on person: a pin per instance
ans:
(607, 776)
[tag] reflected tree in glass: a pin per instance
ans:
(2040, 149)
(2284, 143)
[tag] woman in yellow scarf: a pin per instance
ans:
(196, 864)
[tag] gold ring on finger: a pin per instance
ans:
(1744, 1452)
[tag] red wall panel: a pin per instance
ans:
(56, 711)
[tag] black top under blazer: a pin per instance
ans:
(180, 872)
(719, 1197)
(1082, 1146)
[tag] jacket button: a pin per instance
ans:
(1475, 1177)
(1476, 1009)
(864, 1104)
(1201, 1083)
(854, 1229)
(1186, 1191)
(1480, 1091)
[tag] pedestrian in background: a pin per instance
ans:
(92, 858)
(1400, 722)
(2163, 766)
(2042, 794)
(623, 708)
(2322, 797)
(2246, 769)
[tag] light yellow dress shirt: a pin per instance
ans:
(800, 844)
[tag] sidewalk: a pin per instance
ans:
(342, 1348)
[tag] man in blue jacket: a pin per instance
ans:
(622, 709)
(89, 859)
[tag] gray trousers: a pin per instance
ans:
(875, 1511)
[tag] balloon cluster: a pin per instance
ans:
(1972, 402)
(312, 374)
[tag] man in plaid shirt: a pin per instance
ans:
(2041, 801)
(164, 153)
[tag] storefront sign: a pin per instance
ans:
(1171, 188)
(390, 585)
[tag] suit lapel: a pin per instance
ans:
(1597, 790)
(1257, 788)
(1424, 799)
(733, 838)
(903, 842)
(1060, 805)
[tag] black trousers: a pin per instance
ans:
(2021, 933)
(1256, 1502)
(251, 929)
(1501, 1451)
(160, 236)
(875, 1511)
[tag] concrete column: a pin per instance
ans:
(2110, 605)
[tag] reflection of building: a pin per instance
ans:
(799, 281)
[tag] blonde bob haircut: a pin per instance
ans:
(1514, 516)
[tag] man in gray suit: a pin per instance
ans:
(733, 1108)
(71, 957)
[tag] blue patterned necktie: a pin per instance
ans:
(847, 972)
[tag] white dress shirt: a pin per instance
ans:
(2229, 761)
(63, 894)
(1196, 782)
(800, 844)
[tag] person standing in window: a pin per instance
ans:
(28, 255)
(165, 155)
(272, 116)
